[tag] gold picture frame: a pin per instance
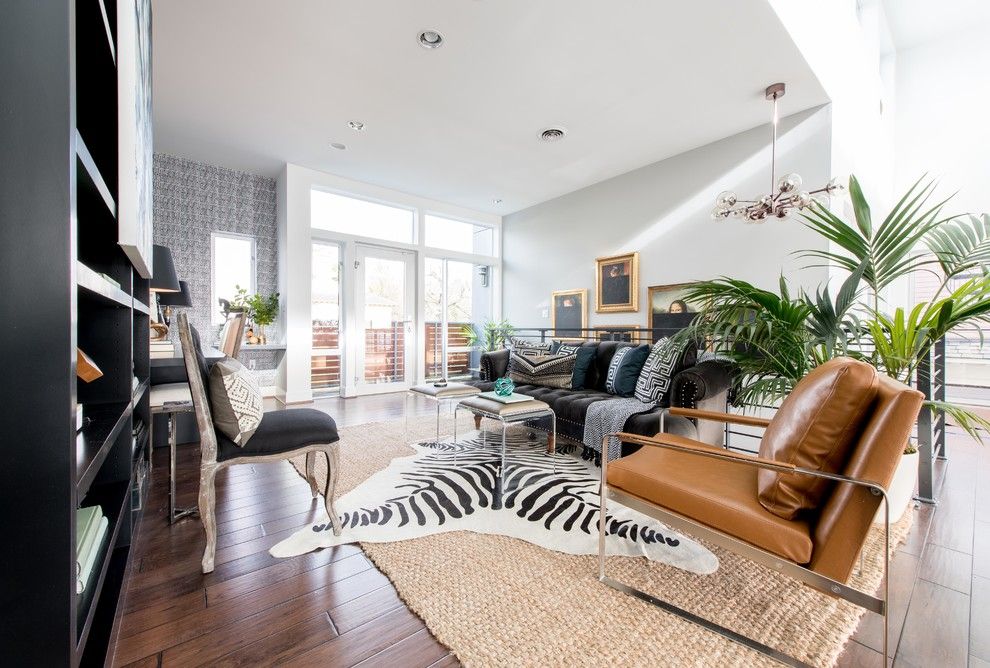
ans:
(617, 283)
(617, 333)
(568, 309)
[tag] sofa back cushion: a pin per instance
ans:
(547, 369)
(815, 428)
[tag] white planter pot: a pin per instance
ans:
(901, 488)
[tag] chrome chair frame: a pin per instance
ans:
(740, 547)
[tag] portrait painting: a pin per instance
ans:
(669, 311)
(569, 313)
(617, 280)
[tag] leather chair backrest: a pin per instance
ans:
(848, 512)
(815, 428)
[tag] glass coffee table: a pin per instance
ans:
(440, 394)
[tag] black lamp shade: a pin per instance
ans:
(164, 278)
(181, 298)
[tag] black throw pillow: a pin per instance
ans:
(623, 370)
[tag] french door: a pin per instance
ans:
(385, 290)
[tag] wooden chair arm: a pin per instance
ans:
(681, 444)
(747, 420)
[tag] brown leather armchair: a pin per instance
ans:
(803, 506)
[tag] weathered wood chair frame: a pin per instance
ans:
(209, 466)
(763, 557)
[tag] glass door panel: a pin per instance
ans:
(458, 302)
(325, 368)
(385, 285)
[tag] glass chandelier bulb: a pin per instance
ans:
(789, 183)
(833, 185)
(803, 199)
(720, 213)
(766, 201)
(726, 198)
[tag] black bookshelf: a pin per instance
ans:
(65, 283)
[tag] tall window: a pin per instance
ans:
(233, 262)
(325, 363)
(349, 215)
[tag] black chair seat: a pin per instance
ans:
(280, 432)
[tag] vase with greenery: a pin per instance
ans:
(776, 338)
(261, 309)
(490, 336)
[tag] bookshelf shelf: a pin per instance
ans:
(114, 499)
(93, 175)
(94, 442)
(92, 282)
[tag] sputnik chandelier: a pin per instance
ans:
(787, 194)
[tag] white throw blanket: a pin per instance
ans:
(608, 417)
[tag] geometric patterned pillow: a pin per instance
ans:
(235, 400)
(545, 369)
(530, 348)
(658, 371)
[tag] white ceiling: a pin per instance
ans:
(252, 84)
(916, 22)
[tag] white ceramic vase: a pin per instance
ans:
(901, 488)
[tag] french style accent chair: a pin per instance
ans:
(280, 435)
(802, 507)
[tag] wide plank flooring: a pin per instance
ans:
(334, 608)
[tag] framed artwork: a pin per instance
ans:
(617, 333)
(134, 152)
(569, 313)
(617, 283)
(668, 311)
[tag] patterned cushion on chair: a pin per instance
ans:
(546, 370)
(236, 400)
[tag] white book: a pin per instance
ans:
(89, 564)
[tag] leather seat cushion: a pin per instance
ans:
(717, 493)
(282, 431)
(815, 428)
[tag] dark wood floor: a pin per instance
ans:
(334, 608)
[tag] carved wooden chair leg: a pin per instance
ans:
(311, 473)
(333, 468)
(477, 422)
(207, 513)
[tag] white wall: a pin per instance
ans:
(663, 212)
(941, 119)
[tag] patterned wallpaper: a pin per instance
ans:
(191, 201)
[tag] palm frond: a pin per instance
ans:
(964, 418)
(960, 245)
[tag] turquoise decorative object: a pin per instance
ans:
(504, 387)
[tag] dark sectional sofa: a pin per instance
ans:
(703, 386)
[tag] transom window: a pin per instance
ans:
(458, 236)
(350, 215)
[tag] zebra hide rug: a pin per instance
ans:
(550, 501)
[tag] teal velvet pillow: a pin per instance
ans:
(585, 357)
(623, 370)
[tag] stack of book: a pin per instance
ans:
(91, 530)
(162, 349)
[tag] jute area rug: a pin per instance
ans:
(499, 601)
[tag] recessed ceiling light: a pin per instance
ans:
(355, 125)
(337, 145)
(552, 134)
(496, 201)
(430, 39)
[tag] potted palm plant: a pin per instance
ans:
(491, 336)
(776, 338)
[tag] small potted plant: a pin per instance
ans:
(263, 310)
(491, 337)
